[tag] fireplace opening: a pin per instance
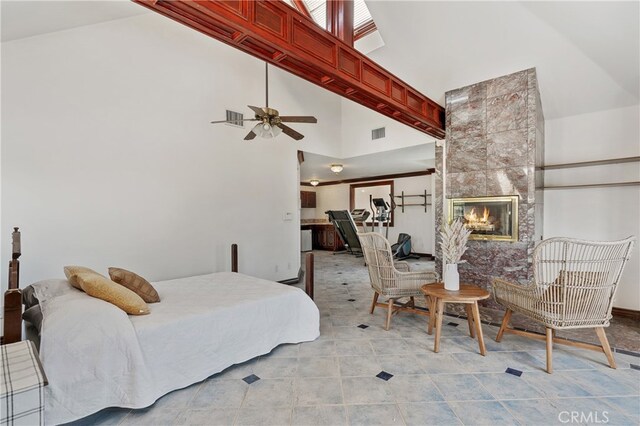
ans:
(488, 218)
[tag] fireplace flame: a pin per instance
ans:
(476, 222)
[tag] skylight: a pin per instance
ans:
(318, 11)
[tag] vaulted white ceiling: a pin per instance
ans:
(587, 53)
(22, 18)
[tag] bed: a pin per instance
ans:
(96, 356)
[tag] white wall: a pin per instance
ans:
(413, 221)
(358, 122)
(596, 213)
(108, 157)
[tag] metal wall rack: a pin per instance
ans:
(426, 200)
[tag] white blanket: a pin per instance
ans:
(95, 356)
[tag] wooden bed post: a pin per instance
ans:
(12, 331)
(234, 258)
(308, 275)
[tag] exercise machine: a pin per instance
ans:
(402, 249)
(381, 213)
(360, 217)
(346, 228)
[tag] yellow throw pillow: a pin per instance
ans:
(103, 288)
(135, 283)
(71, 272)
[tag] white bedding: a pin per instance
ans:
(95, 356)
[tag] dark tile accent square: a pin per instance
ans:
(453, 324)
(626, 352)
(634, 366)
(384, 375)
(363, 326)
(352, 300)
(513, 371)
(250, 379)
(344, 284)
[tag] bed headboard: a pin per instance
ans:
(12, 318)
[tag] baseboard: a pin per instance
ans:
(294, 280)
(427, 255)
(626, 313)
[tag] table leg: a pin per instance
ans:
(476, 320)
(436, 345)
(432, 313)
(467, 307)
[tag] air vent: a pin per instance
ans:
(235, 118)
(377, 133)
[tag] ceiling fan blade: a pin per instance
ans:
(259, 111)
(298, 119)
(250, 136)
(234, 121)
(290, 132)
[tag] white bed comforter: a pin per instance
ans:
(95, 356)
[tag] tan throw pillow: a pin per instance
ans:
(71, 272)
(581, 288)
(103, 288)
(135, 283)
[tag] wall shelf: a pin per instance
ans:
(591, 163)
(607, 162)
(425, 197)
(593, 185)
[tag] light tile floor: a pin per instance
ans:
(332, 381)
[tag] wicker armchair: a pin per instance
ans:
(574, 285)
(392, 280)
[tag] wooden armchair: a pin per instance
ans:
(392, 280)
(574, 285)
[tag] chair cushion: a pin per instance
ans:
(135, 283)
(103, 288)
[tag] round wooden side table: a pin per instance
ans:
(437, 296)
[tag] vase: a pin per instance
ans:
(451, 277)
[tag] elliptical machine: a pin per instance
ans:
(382, 214)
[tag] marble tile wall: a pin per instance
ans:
(494, 143)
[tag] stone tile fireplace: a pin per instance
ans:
(494, 142)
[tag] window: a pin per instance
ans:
(362, 21)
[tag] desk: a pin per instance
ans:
(437, 296)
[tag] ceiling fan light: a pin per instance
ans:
(314, 182)
(267, 131)
(336, 168)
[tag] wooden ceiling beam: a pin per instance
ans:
(302, 8)
(284, 37)
(340, 19)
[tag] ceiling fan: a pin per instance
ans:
(271, 123)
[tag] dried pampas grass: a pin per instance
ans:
(454, 241)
